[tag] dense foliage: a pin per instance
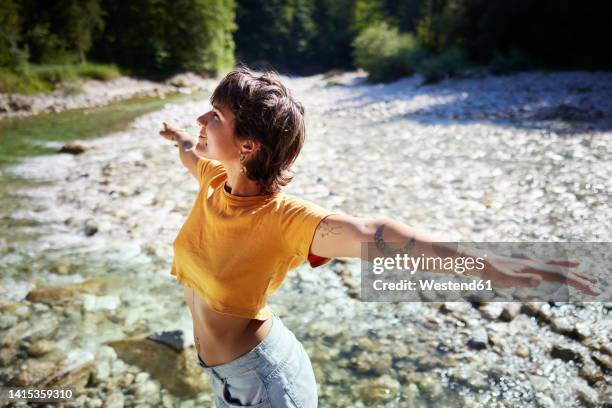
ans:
(389, 38)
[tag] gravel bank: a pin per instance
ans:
(93, 93)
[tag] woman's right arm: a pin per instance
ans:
(186, 144)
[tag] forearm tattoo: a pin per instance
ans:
(186, 144)
(385, 249)
(328, 229)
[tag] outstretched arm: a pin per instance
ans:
(342, 236)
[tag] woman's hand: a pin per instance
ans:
(507, 272)
(173, 132)
(185, 144)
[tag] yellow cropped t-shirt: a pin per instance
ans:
(235, 251)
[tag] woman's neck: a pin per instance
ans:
(242, 188)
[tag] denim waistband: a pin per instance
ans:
(251, 359)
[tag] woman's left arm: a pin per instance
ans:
(345, 236)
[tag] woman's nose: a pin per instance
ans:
(201, 121)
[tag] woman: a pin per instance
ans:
(243, 235)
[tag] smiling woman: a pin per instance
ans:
(243, 235)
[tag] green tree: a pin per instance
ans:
(58, 31)
(159, 37)
(332, 44)
(277, 32)
(198, 34)
(403, 14)
(83, 20)
(442, 24)
(11, 56)
(367, 13)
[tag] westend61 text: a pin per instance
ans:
(431, 284)
(412, 264)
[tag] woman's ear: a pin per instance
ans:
(250, 147)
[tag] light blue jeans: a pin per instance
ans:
(276, 373)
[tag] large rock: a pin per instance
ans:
(177, 372)
(58, 294)
(74, 148)
(173, 338)
(72, 372)
(34, 373)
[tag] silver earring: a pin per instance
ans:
(242, 168)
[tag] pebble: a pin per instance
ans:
(93, 303)
(591, 372)
(382, 389)
(7, 355)
(510, 311)
(40, 348)
(565, 353)
(479, 339)
(114, 400)
(7, 321)
(491, 311)
(587, 394)
(603, 360)
(522, 351)
(562, 325)
(91, 228)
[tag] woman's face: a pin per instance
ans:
(216, 139)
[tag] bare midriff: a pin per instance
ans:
(221, 338)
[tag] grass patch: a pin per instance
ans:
(33, 79)
(22, 137)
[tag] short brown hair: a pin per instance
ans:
(266, 112)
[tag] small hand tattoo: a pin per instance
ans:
(327, 229)
(386, 249)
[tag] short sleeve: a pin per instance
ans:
(206, 169)
(298, 225)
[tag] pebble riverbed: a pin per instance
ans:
(525, 157)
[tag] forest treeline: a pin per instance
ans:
(389, 38)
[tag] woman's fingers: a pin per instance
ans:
(583, 285)
(565, 263)
(556, 273)
(592, 279)
(554, 270)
